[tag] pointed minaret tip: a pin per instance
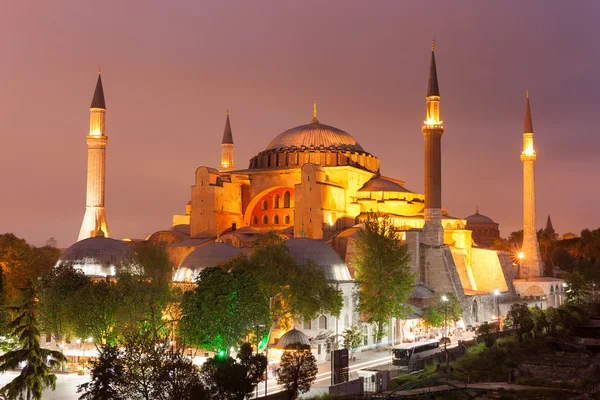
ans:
(227, 134)
(98, 99)
(314, 119)
(528, 126)
(432, 88)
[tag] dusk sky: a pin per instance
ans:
(171, 69)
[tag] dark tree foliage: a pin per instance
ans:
(20, 262)
(107, 376)
(522, 318)
(36, 361)
(382, 272)
(226, 378)
(223, 308)
(298, 370)
(578, 288)
(145, 369)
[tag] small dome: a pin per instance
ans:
(293, 338)
(304, 249)
(479, 219)
(381, 184)
(96, 256)
(315, 135)
(203, 257)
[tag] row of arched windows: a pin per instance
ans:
(276, 220)
(277, 201)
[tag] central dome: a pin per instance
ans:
(315, 135)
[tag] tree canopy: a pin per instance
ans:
(382, 272)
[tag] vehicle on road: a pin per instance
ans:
(406, 353)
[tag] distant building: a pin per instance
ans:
(485, 230)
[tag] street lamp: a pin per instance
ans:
(520, 257)
(497, 299)
(445, 301)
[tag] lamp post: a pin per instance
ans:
(497, 299)
(445, 301)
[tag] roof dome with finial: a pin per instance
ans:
(479, 218)
(315, 134)
(293, 339)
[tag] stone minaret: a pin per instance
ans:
(433, 128)
(227, 148)
(94, 220)
(531, 264)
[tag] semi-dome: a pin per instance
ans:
(315, 135)
(294, 339)
(203, 257)
(304, 249)
(96, 256)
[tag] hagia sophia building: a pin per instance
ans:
(313, 184)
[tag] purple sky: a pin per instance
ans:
(172, 68)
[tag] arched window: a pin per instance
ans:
(276, 201)
(346, 321)
(307, 325)
(255, 220)
(286, 199)
(365, 335)
(265, 220)
(265, 205)
(322, 322)
(286, 220)
(276, 220)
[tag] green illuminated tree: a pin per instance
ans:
(297, 370)
(578, 288)
(223, 308)
(36, 361)
(382, 272)
(95, 311)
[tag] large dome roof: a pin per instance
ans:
(304, 249)
(315, 135)
(96, 256)
(203, 257)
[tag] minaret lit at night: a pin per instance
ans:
(433, 128)
(227, 148)
(531, 264)
(94, 220)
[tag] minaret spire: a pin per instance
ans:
(531, 265)
(433, 128)
(94, 221)
(227, 163)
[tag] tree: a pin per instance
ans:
(432, 317)
(522, 319)
(540, 323)
(58, 288)
(353, 338)
(297, 370)
(222, 309)
(578, 289)
(290, 290)
(226, 378)
(37, 362)
(95, 309)
(382, 272)
(107, 376)
(20, 262)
